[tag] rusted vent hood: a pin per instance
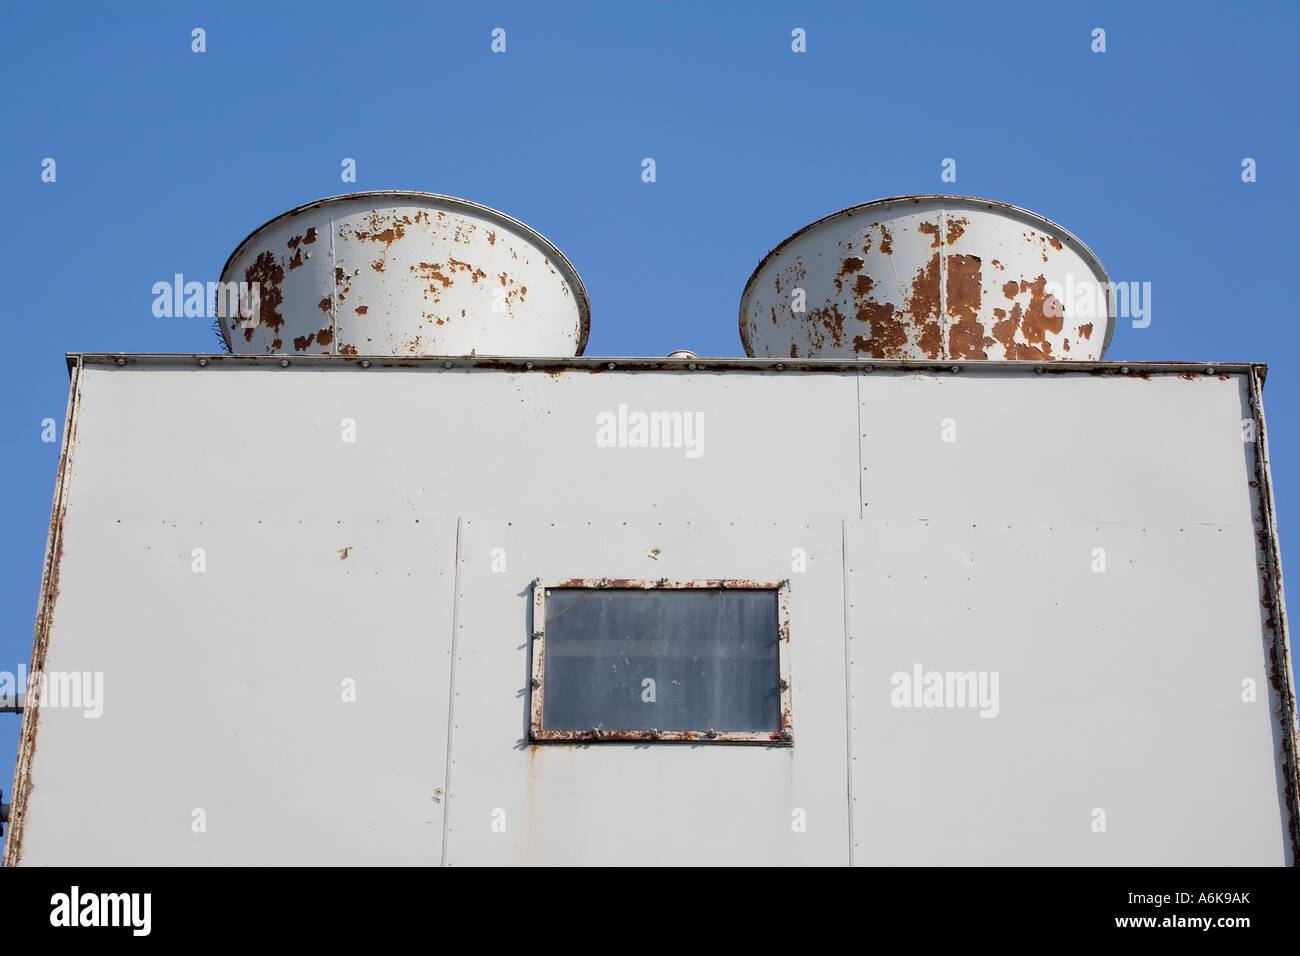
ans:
(403, 273)
(929, 277)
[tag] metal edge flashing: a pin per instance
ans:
(1280, 666)
(595, 364)
(49, 595)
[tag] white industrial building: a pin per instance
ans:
(408, 579)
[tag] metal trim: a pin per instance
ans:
(599, 364)
(537, 685)
(22, 784)
(1280, 665)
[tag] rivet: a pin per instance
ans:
(529, 365)
(536, 683)
(956, 368)
(866, 368)
(611, 364)
(365, 363)
(121, 361)
(284, 363)
(652, 733)
(1039, 370)
(1124, 370)
(202, 363)
(711, 733)
(1209, 370)
(537, 635)
(446, 365)
(692, 366)
(779, 366)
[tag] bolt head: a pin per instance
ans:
(284, 363)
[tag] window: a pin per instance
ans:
(698, 661)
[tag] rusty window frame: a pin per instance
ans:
(781, 737)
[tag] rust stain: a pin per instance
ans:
(492, 238)
(1011, 289)
(1043, 315)
(338, 275)
(886, 240)
(378, 265)
(966, 338)
(308, 239)
(324, 336)
(924, 301)
(362, 309)
(955, 229)
(303, 342)
(930, 229)
(851, 264)
(862, 285)
(293, 243)
(347, 350)
(268, 273)
(344, 552)
(324, 304)
(1056, 243)
(1085, 331)
(296, 261)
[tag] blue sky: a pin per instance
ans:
(167, 158)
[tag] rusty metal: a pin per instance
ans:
(403, 273)
(783, 736)
(1281, 671)
(13, 846)
(595, 366)
(929, 277)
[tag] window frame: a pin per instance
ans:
(783, 737)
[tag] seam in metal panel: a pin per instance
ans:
(861, 441)
(943, 284)
(848, 678)
(334, 291)
(1281, 642)
(451, 696)
(49, 595)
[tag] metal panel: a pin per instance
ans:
(226, 691)
(1118, 691)
(436, 441)
(648, 802)
(1130, 449)
(929, 277)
